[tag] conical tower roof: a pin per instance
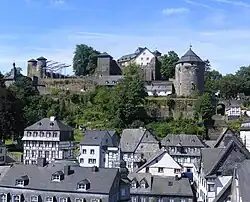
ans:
(190, 56)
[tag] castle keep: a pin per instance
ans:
(189, 74)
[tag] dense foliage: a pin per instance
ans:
(168, 62)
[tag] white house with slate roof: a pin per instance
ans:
(136, 146)
(147, 187)
(185, 149)
(48, 138)
(99, 148)
(161, 164)
(64, 182)
(245, 133)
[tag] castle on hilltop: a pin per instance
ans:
(189, 72)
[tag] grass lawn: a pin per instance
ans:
(8, 142)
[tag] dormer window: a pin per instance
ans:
(51, 124)
(34, 199)
(22, 181)
(39, 123)
(54, 134)
(57, 176)
(143, 183)
(83, 185)
(134, 184)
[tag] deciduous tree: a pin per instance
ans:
(168, 62)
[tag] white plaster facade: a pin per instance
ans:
(49, 144)
(234, 111)
(163, 165)
(144, 58)
(245, 134)
(101, 153)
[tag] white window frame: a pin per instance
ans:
(3, 197)
(17, 200)
(49, 199)
(81, 186)
(143, 184)
(20, 183)
(142, 199)
(62, 199)
(92, 151)
(171, 200)
(133, 184)
(34, 200)
(133, 199)
(56, 178)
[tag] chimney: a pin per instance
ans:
(41, 162)
(94, 169)
(52, 118)
(66, 170)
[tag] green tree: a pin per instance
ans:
(128, 98)
(85, 60)
(230, 85)
(212, 79)
(205, 106)
(168, 62)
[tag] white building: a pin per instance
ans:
(99, 148)
(136, 146)
(184, 149)
(234, 110)
(142, 57)
(49, 139)
(245, 133)
(161, 164)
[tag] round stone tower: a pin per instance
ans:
(189, 75)
(31, 71)
(41, 64)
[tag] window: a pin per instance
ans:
(92, 151)
(160, 170)
(46, 154)
(143, 184)
(84, 151)
(142, 199)
(54, 134)
(19, 183)
(33, 153)
(79, 200)
(40, 143)
(184, 200)
(147, 58)
(48, 134)
(16, 198)
(81, 160)
(46, 144)
(188, 170)
(211, 187)
(49, 199)
(3, 197)
(27, 162)
(141, 58)
(33, 162)
(40, 153)
(41, 134)
(34, 199)
(35, 134)
(53, 153)
(53, 144)
(133, 199)
(171, 200)
(159, 199)
(176, 171)
(133, 184)
(92, 161)
(28, 134)
(56, 177)
(81, 186)
(147, 169)
(63, 200)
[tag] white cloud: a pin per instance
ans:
(58, 2)
(234, 3)
(172, 11)
(196, 3)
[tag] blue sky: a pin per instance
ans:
(219, 30)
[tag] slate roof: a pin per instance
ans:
(40, 178)
(185, 140)
(190, 56)
(131, 56)
(211, 157)
(244, 180)
(94, 137)
(159, 185)
(130, 139)
(221, 194)
(32, 60)
(108, 80)
(222, 135)
(46, 125)
(41, 58)
(235, 103)
(104, 54)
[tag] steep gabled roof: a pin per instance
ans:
(94, 137)
(223, 192)
(222, 135)
(190, 56)
(47, 125)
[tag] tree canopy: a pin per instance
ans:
(168, 62)
(84, 60)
